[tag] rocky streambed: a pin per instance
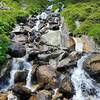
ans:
(45, 62)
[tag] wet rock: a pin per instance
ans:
(92, 66)
(66, 87)
(17, 50)
(22, 92)
(3, 96)
(20, 76)
(46, 75)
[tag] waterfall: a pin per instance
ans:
(36, 28)
(85, 87)
(15, 67)
(78, 44)
(16, 64)
(28, 66)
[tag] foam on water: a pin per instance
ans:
(85, 87)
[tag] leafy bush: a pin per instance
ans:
(88, 13)
(18, 9)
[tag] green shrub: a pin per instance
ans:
(19, 8)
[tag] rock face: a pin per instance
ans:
(20, 76)
(46, 75)
(92, 66)
(17, 50)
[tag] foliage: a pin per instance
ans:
(18, 8)
(88, 13)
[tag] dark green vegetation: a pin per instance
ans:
(8, 17)
(85, 11)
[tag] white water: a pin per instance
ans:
(36, 28)
(50, 7)
(12, 97)
(78, 44)
(85, 87)
(16, 66)
(28, 66)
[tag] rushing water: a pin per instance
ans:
(85, 87)
(78, 44)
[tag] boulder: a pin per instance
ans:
(20, 76)
(45, 75)
(22, 92)
(92, 66)
(66, 87)
(17, 50)
(52, 37)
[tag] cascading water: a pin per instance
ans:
(85, 87)
(19, 64)
(78, 44)
(15, 67)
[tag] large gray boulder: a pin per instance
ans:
(17, 50)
